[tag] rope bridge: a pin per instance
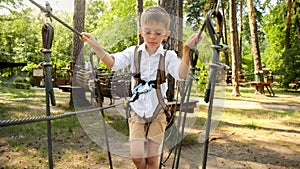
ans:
(216, 65)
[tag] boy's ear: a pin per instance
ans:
(140, 30)
(167, 35)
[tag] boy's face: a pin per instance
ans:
(154, 32)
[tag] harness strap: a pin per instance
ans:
(160, 79)
(137, 61)
(146, 128)
(137, 74)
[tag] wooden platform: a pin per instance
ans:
(187, 107)
(263, 84)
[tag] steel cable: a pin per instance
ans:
(10, 122)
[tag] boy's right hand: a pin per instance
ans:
(86, 36)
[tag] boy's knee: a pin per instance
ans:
(152, 161)
(137, 161)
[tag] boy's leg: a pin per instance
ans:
(152, 156)
(155, 139)
(137, 140)
(138, 154)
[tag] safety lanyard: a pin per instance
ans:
(136, 93)
(135, 90)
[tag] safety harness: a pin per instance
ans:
(153, 84)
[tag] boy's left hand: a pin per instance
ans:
(192, 41)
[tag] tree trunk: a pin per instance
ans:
(288, 25)
(180, 28)
(255, 46)
(77, 45)
(171, 7)
(234, 47)
(241, 39)
(139, 5)
(225, 41)
(171, 43)
(288, 30)
(297, 21)
(78, 20)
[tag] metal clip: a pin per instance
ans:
(47, 13)
(219, 65)
(43, 64)
(43, 51)
(220, 47)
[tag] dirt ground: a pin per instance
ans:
(238, 148)
(271, 141)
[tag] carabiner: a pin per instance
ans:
(137, 88)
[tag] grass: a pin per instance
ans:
(118, 123)
(287, 96)
(247, 94)
(72, 144)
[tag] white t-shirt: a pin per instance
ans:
(145, 105)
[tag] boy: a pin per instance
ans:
(154, 29)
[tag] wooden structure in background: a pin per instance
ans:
(265, 80)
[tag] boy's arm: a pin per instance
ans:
(185, 61)
(100, 52)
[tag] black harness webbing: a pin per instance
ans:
(160, 79)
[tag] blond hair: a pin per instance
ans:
(156, 13)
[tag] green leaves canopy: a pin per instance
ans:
(275, 53)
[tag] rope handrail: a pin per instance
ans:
(10, 122)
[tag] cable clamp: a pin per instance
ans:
(43, 64)
(219, 65)
(220, 47)
(43, 51)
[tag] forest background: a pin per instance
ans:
(116, 24)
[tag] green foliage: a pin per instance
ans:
(16, 82)
(292, 71)
(117, 25)
(20, 39)
(114, 23)
(247, 59)
(275, 54)
(204, 59)
(94, 12)
(118, 28)
(62, 42)
(19, 42)
(196, 12)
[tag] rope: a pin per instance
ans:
(10, 122)
(47, 38)
(48, 12)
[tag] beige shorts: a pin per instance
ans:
(156, 130)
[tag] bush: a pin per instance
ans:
(16, 82)
(19, 85)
